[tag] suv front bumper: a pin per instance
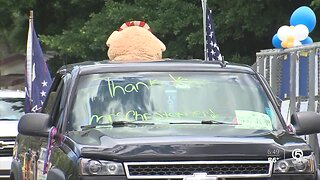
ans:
(5, 166)
(274, 177)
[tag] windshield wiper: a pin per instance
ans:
(204, 122)
(116, 124)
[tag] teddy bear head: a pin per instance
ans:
(134, 42)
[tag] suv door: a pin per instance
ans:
(31, 151)
(62, 158)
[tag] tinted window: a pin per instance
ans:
(11, 108)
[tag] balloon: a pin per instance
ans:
(284, 44)
(297, 43)
(300, 32)
(304, 15)
(276, 41)
(283, 32)
(290, 38)
(308, 40)
(290, 44)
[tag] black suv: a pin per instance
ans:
(171, 119)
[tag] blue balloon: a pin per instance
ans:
(304, 15)
(308, 40)
(276, 42)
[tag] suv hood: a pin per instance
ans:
(187, 143)
(8, 128)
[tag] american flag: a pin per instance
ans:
(213, 51)
(37, 76)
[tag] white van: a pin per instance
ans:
(11, 109)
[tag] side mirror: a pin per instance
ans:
(306, 122)
(34, 124)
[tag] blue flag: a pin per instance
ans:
(37, 76)
(213, 51)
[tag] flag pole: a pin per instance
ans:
(29, 58)
(204, 10)
(31, 15)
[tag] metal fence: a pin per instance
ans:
(293, 75)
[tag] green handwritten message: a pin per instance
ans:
(181, 82)
(130, 87)
(136, 116)
(253, 120)
(115, 88)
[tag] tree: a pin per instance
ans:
(50, 18)
(181, 32)
(246, 27)
(12, 28)
(77, 30)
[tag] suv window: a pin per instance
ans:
(11, 108)
(52, 103)
(174, 97)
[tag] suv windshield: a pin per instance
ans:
(234, 100)
(11, 108)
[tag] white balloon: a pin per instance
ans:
(284, 32)
(301, 32)
(297, 43)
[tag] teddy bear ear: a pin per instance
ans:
(112, 38)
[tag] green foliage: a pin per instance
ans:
(168, 20)
(78, 29)
(12, 27)
(50, 18)
(245, 27)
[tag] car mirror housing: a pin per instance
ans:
(34, 124)
(306, 122)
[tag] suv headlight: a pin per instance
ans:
(304, 164)
(100, 167)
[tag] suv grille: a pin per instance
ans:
(6, 146)
(147, 170)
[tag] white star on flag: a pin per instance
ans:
(43, 93)
(44, 83)
(211, 34)
(213, 52)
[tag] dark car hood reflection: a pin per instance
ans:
(184, 142)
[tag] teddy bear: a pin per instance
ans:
(134, 41)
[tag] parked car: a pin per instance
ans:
(11, 109)
(172, 119)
